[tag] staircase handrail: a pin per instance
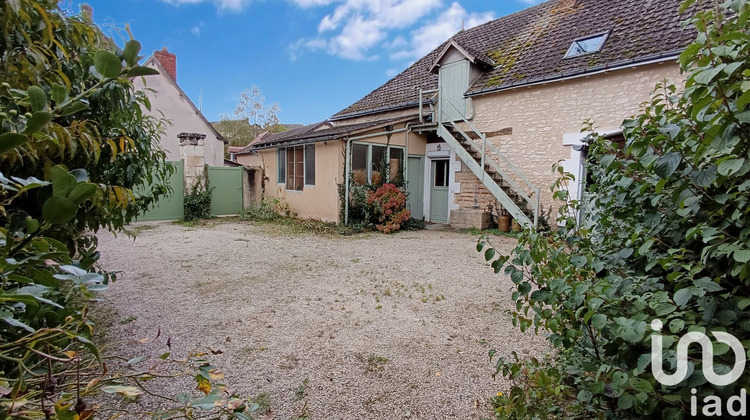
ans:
(535, 190)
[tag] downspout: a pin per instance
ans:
(348, 163)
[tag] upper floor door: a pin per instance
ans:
(453, 82)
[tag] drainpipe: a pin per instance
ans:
(348, 162)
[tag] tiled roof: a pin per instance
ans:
(319, 132)
(528, 46)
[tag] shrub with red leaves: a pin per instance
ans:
(389, 206)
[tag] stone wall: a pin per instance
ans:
(191, 153)
(540, 116)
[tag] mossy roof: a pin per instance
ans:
(529, 46)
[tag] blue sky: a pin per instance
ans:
(313, 57)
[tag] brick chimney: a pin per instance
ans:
(568, 3)
(87, 11)
(168, 61)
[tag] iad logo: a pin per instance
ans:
(712, 404)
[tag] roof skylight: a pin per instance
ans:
(588, 45)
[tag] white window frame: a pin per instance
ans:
(603, 36)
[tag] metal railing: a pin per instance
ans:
(535, 203)
(422, 101)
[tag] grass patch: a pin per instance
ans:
(195, 223)
(496, 232)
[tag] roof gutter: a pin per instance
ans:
(654, 59)
(379, 110)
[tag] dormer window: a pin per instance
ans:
(587, 45)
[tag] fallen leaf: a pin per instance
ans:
(125, 391)
(204, 385)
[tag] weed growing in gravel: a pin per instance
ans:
(300, 392)
(264, 403)
(127, 320)
(375, 363)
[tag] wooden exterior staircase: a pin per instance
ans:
(513, 191)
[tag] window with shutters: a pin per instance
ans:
(296, 166)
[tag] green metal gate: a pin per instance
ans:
(171, 206)
(226, 183)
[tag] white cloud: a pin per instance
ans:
(196, 29)
(432, 34)
(354, 27)
(231, 5)
(392, 72)
(311, 3)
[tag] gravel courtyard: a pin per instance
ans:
(330, 327)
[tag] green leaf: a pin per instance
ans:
(743, 100)
(142, 71)
(641, 385)
(207, 402)
(667, 164)
(489, 254)
(598, 321)
(62, 181)
(107, 64)
(706, 76)
(645, 247)
(704, 178)
(58, 210)
(625, 402)
(10, 141)
(82, 192)
(682, 297)
(671, 413)
(676, 325)
(584, 396)
(74, 108)
(37, 98)
(59, 93)
(130, 52)
(16, 323)
(38, 121)
(524, 288)
(708, 285)
(742, 255)
(730, 166)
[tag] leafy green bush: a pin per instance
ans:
(269, 208)
(413, 224)
(665, 237)
(197, 202)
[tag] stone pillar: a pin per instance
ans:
(191, 153)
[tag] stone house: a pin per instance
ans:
(480, 121)
(169, 101)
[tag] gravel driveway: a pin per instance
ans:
(366, 327)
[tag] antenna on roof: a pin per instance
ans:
(200, 101)
(463, 22)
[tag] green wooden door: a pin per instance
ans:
(454, 82)
(415, 187)
(439, 192)
(171, 206)
(226, 196)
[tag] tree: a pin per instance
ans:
(664, 238)
(74, 143)
(250, 118)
